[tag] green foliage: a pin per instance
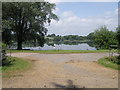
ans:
(115, 59)
(25, 21)
(103, 38)
(3, 52)
(52, 35)
(15, 65)
(118, 36)
(107, 62)
(4, 46)
(90, 36)
(68, 39)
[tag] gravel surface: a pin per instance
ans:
(63, 71)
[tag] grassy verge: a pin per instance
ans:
(58, 51)
(107, 62)
(14, 66)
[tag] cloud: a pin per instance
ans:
(69, 23)
(116, 10)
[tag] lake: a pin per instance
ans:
(83, 46)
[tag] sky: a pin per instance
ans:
(82, 18)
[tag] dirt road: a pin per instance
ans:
(63, 71)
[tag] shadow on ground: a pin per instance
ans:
(69, 85)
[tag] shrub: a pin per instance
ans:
(3, 53)
(110, 62)
(115, 59)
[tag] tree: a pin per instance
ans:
(104, 38)
(26, 20)
(90, 36)
(118, 37)
(52, 35)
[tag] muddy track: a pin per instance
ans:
(63, 71)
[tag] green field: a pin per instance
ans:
(109, 63)
(58, 51)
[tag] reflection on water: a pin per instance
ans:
(83, 46)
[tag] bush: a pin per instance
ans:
(115, 59)
(103, 38)
(110, 62)
(3, 53)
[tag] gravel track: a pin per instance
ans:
(63, 71)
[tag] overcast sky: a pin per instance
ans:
(81, 18)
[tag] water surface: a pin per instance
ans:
(83, 46)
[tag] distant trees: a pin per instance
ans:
(52, 35)
(68, 39)
(101, 38)
(72, 37)
(90, 36)
(25, 21)
(57, 38)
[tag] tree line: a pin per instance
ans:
(101, 38)
(68, 39)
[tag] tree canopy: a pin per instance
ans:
(25, 21)
(118, 36)
(103, 38)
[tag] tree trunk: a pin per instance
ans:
(19, 42)
(19, 38)
(34, 42)
(20, 31)
(19, 45)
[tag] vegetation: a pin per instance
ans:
(118, 37)
(59, 51)
(3, 54)
(113, 62)
(25, 21)
(68, 39)
(103, 38)
(14, 64)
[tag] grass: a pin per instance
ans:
(107, 62)
(58, 51)
(15, 65)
